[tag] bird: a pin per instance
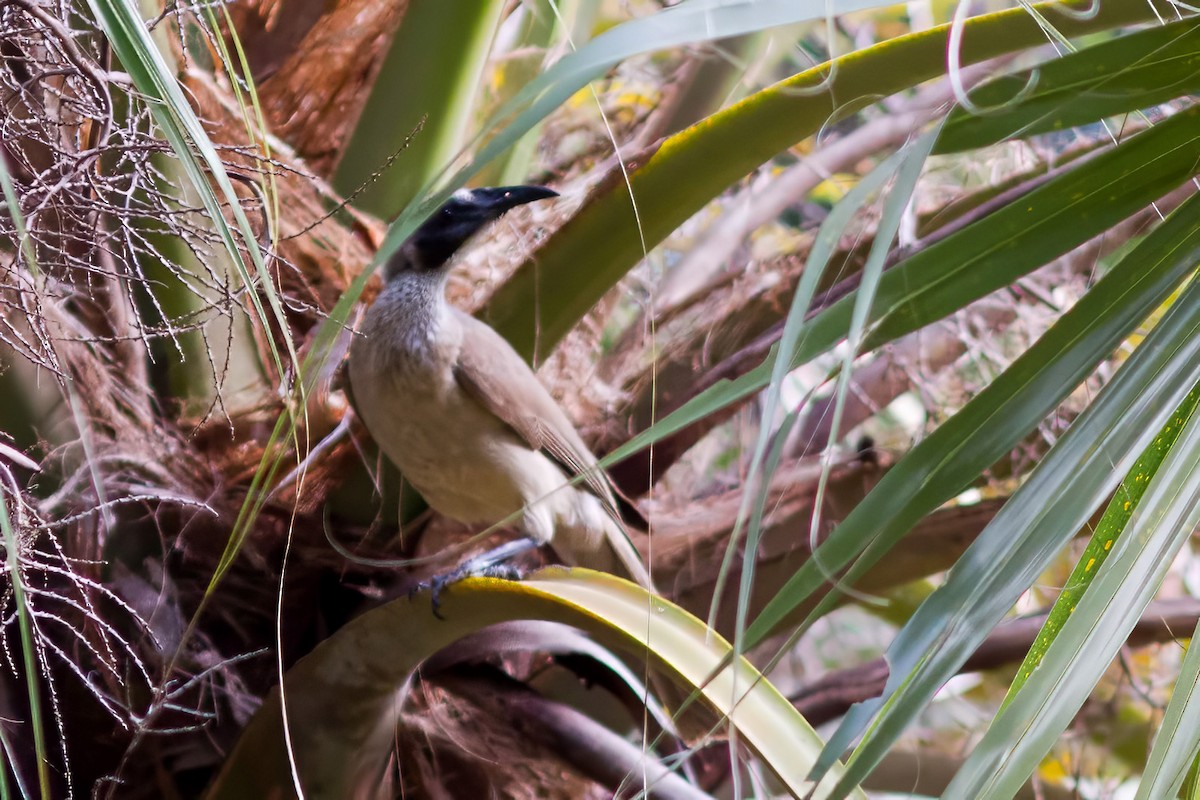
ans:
(464, 417)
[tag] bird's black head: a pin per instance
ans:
(468, 210)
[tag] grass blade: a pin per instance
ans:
(1061, 494)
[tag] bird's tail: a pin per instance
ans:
(605, 547)
(626, 556)
(691, 721)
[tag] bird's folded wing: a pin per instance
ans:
(491, 372)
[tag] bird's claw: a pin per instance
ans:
(435, 586)
(475, 568)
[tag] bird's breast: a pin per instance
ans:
(465, 461)
(455, 453)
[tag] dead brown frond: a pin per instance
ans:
(450, 746)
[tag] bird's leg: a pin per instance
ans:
(493, 564)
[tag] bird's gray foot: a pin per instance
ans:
(492, 564)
